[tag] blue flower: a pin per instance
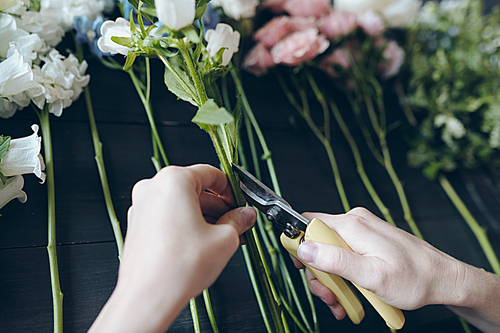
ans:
(210, 18)
(89, 32)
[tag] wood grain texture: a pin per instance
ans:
(86, 250)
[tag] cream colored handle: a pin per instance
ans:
(318, 231)
(336, 284)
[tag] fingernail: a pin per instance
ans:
(307, 251)
(249, 214)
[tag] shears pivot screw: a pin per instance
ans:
(291, 231)
(273, 214)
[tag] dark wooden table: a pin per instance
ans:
(85, 245)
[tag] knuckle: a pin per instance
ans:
(359, 211)
(140, 188)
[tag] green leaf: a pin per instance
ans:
(177, 88)
(149, 11)
(200, 10)
(191, 34)
(130, 60)
(123, 41)
(4, 180)
(212, 114)
(232, 129)
(166, 53)
(4, 145)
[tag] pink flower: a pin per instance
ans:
(258, 60)
(337, 24)
(299, 46)
(307, 7)
(393, 56)
(336, 58)
(273, 31)
(276, 6)
(298, 23)
(372, 23)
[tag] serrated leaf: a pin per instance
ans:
(123, 41)
(212, 114)
(191, 34)
(4, 145)
(177, 88)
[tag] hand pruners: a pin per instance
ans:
(298, 229)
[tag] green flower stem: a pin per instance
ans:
(115, 224)
(304, 111)
(274, 180)
(252, 274)
(387, 157)
(99, 159)
(194, 315)
(149, 113)
(57, 295)
(210, 311)
(478, 231)
(354, 148)
(195, 75)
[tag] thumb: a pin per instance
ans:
(332, 259)
(241, 219)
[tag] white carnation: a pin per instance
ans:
(64, 11)
(42, 23)
(62, 80)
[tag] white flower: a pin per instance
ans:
(64, 11)
(397, 13)
(6, 4)
(453, 128)
(24, 156)
(237, 9)
(119, 28)
(11, 190)
(43, 24)
(16, 84)
(401, 12)
(8, 33)
(62, 80)
(176, 14)
(223, 36)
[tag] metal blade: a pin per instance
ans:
(258, 189)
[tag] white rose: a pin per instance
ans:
(176, 14)
(401, 12)
(237, 9)
(119, 28)
(222, 36)
(12, 190)
(397, 13)
(24, 156)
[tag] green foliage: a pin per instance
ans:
(179, 89)
(4, 148)
(212, 114)
(454, 86)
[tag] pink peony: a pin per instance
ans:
(393, 59)
(273, 31)
(276, 6)
(371, 23)
(307, 7)
(336, 58)
(258, 60)
(337, 24)
(299, 46)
